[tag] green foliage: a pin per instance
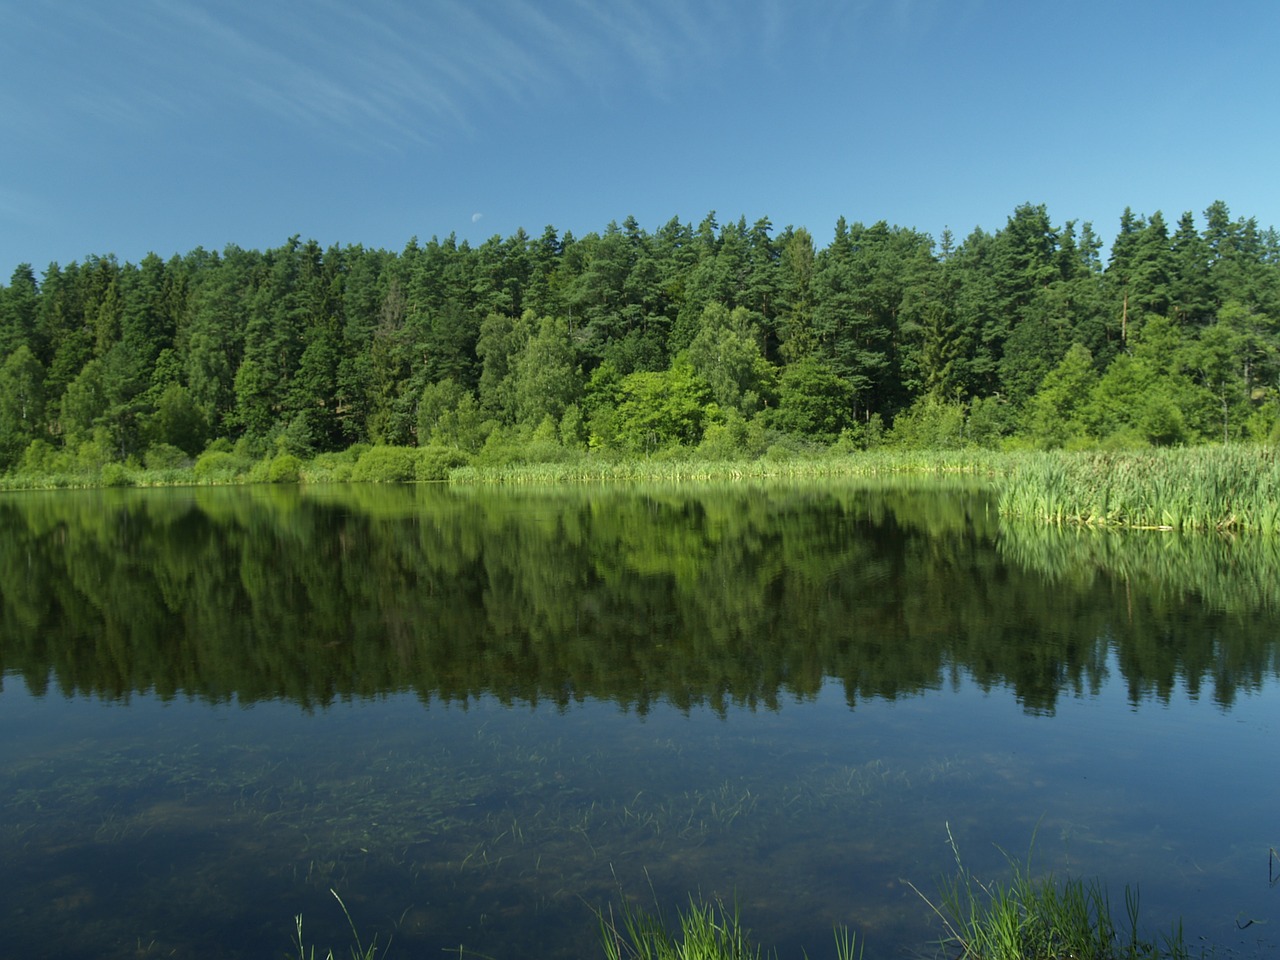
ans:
(164, 456)
(546, 379)
(864, 435)
(929, 424)
(284, 468)
(1201, 488)
(991, 420)
(300, 437)
(813, 400)
(382, 464)
(727, 436)
(437, 463)
(178, 421)
(306, 351)
(462, 426)
(1054, 416)
(1032, 917)
(706, 932)
(217, 466)
(21, 404)
(657, 410)
(41, 457)
(438, 401)
(115, 475)
(333, 467)
(726, 354)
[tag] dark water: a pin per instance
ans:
(480, 715)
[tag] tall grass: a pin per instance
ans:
(782, 466)
(358, 952)
(1027, 918)
(1038, 918)
(1229, 487)
(1194, 488)
(705, 932)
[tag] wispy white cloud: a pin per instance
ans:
(392, 74)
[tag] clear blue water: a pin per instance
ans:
(464, 778)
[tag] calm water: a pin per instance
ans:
(480, 715)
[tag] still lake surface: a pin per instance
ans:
(480, 715)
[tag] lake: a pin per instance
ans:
(480, 715)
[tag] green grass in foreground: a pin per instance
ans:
(358, 952)
(1038, 918)
(1029, 918)
(706, 932)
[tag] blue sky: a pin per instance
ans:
(161, 126)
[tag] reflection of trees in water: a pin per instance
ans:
(1175, 608)
(745, 594)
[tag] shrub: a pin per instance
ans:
(216, 465)
(436, 463)
(386, 465)
(165, 456)
(284, 469)
(42, 457)
(115, 475)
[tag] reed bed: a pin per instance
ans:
(1226, 488)
(879, 463)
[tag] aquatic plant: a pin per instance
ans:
(358, 952)
(1038, 918)
(878, 463)
(706, 932)
(1228, 487)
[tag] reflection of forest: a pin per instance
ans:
(722, 595)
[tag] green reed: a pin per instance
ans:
(1039, 918)
(358, 952)
(877, 463)
(704, 932)
(1229, 488)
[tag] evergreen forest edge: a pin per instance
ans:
(715, 342)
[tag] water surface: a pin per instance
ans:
(480, 715)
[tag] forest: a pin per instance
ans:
(718, 340)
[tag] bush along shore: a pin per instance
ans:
(1204, 488)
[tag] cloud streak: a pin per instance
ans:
(388, 74)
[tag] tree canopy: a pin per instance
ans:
(639, 341)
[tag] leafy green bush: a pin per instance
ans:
(41, 457)
(386, 465)
(115, 475)
(216, 466)
(929, 424)
(284, 469)
(436, 463)
(164, 456)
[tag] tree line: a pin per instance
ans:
(726, 338)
